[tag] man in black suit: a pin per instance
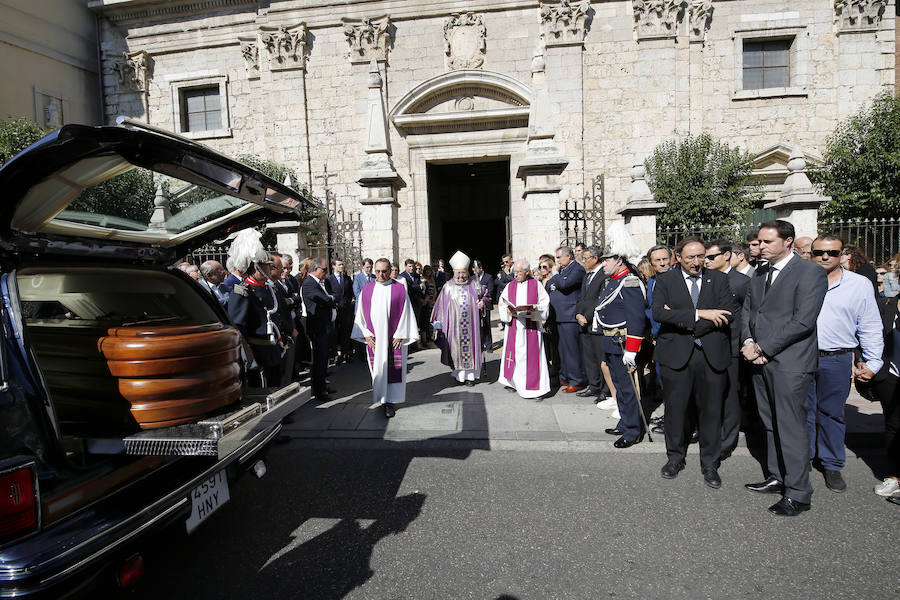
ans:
(591, 332)
(320, 313)
(694, 307)
(486, 282)
(340, 287)
(718, 258)
(778, 331)
(564, 288)
(413, 284)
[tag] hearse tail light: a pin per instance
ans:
(19, 506)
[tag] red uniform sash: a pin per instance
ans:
(532, 340)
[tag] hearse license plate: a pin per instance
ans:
(206, 498)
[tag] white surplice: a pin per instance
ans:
(407, 330)
(540, 315)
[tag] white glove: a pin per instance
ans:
(437, 325)
(628, 359)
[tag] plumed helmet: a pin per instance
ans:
(620, 243)
(246, 248)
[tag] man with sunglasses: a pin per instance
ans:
(848, 314)
(320, 314)
(718, 258)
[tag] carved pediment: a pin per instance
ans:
(463, 100)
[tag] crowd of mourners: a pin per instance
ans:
(764, 335)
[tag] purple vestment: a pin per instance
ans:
(456, 307)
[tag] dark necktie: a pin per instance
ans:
(590, 277)
(695, 289)
(769, 277)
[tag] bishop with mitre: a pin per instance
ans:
(386, 323)
(525, 305)
(457, 312)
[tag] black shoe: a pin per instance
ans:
(660, 429)
(509, 389)
(470, 383)
(623, 443)
(330, 390)
(834, 481)
(695, 438)
(614, 431)
(787, 507)
(712, 479)
(670, 470)
(586, 392)
(769, 486)
(389, 410)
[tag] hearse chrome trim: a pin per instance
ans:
(179, 496)
(212, 437)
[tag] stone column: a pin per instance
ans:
(540, 171)
(378, 178)
(290, 238)
(640, 210)
(799, 201)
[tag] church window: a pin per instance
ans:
(767, 64)
(200, 105)
(201, 109)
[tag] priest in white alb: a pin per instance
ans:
(385, 322)
(525, 305)
(457, 312)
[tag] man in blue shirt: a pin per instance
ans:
(848, 313)
(564, 288)
(362, 278)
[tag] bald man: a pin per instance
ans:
(803, 247)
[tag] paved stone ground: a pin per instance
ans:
(439, 412)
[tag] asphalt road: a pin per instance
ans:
(524, 524)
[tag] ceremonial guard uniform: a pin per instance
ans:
(620, 316)
(253, 309)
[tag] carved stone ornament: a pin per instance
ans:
(250, 53)
(700, 18)
(133, 70)
(858, 15)
(369, 38)
(563, 22)
(464, 40)
(657, 18)
(285, 46)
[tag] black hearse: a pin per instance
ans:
(81, 483)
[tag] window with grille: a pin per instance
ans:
(201, 108)
(767, 64)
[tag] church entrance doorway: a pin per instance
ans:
(468, 210)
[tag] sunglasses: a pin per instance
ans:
(714, 256)
(831, 253)
(382, 270)
(544, 266)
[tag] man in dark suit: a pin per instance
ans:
(486, 282)
(778, 331)
(320, 309)
(694, 307)
(718, 258)
(564, 288)
(339, 286)
(591, 332)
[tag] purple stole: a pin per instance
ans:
(532, 341)
(398, 301)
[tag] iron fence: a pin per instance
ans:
(584, 219)
(879, 239)
(734, 233)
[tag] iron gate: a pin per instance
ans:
(584, 219)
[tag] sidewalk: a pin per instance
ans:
(440, 412)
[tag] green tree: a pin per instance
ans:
(703, 182)
(861, 169)
(16, 134)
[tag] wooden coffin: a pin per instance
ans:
(174, 374)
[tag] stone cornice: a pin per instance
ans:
(129, 10)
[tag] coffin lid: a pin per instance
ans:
(42, 210)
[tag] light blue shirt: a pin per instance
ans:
(850, 311)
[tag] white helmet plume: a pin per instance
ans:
(247, 248)
(620, 243)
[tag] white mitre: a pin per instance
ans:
(459, 261)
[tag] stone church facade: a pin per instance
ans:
(445, 123)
